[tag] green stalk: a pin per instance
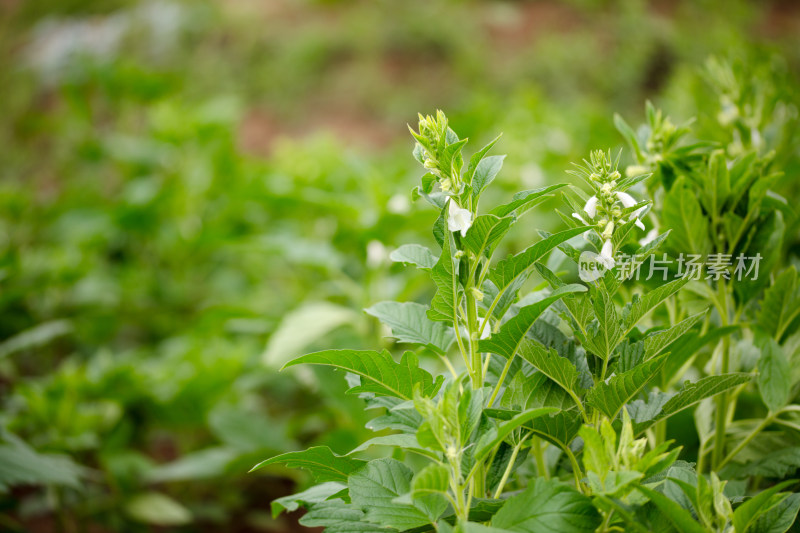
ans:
(538, 454)
(509, 468)
(764, 423)
(721, 413)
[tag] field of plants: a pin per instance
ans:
(459, 266)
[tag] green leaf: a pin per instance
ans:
(779, 518)
(323, 464)
(683, 214)
(507, 340)
(495, 436)
(560, 428)
(655, 343)
(547, 506)
(510, 268)
(629, 135)
(525, 200)
(414, 254)
(692, 393)
(302, 327)
(428, 489)
(315, 494)
(747, 513)
(608, 333)
(643, 304)
(157, 509)
(409, 323)
(477, 157)
(445, 302)
(610, 396)
(548, 362)
(374, 488)
(380, 374)
(485, 173)
(774, 375)
(719, 183)
(22, 465)
(774, 465)
(484, 233)
(339, 517)
(677, 515)
(406, 441)
(780, 305)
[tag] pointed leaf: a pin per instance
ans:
(374, 488)
(414, 254)
(380, 374)
(507, 340)
(510, 268)
(547, 506)
(323, 464)
(485, 172)
(525, 199)
(484, 233)
(445, 302)
(409, 323)
(620, 389)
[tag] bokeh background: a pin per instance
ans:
(192, 192)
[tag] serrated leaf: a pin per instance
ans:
(560, 428)
(409, 323)
(510, 268)
(320, 461)
(747, 513)
(507, 339)
(485, 172)
(683, 214)
(677, 515)
(560, 369)
(692, 393)
(655, 343)
(643, 304)
(611, 396)
(547, 506)
(485, 232)
(494, 437)
(339, 517)
(779, 518)
(316, 494)
(607, 333)
(374, 488)
(780, 306)
(379, 372)
(774, 465)
(414, 254)
(445, 302)
(406, 441)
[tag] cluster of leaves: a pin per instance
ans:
(565, 373)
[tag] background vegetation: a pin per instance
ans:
(191, 193)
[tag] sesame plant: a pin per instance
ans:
(721, 197)
(537, 421)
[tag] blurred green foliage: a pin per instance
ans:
(186, 188)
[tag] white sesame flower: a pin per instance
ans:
(458, 219)
(591, 207)
(606, 257)
(576, 215)
(629, 201)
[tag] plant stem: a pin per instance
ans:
(538, 453)
(722, 400)
(764, 423)
(509, 468)
(500, 381)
